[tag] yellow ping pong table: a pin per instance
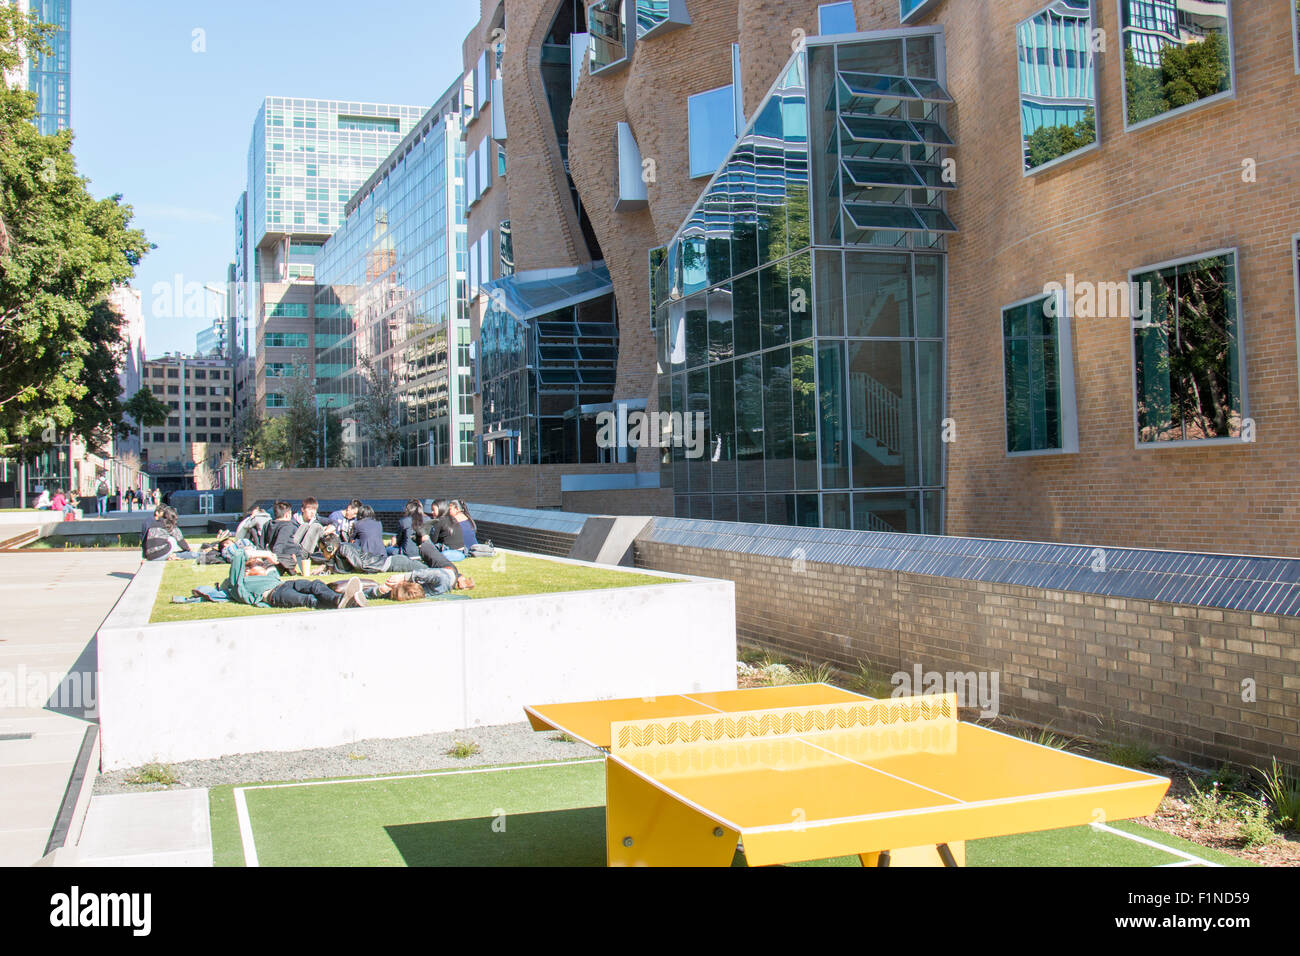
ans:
(810, 771)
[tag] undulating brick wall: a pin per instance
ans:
(535, 540)
(1175, 676)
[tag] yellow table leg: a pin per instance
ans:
(917, 856)
(646, 827)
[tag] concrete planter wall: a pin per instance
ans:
(185, 691)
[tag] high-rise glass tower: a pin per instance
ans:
(306, 159)
(49, 75)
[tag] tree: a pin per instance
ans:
(292, 440)
(63, 252)
(145, 410)
(1187, 73)
(377, 411)
(1051, 142)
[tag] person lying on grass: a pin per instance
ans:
(416, 585)
(255, 581)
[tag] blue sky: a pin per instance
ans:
(168, 127)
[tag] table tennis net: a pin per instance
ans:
(790, 737)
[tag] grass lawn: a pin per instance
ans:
(548, 814)
(506, 575)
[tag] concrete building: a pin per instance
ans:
(193, 450)
(211, 342)
(306, 159)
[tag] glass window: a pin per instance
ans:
(778, 435)
(879, 290)
(774, 288)
(1038, 376)
(836, 18)
(1058, 82)
(1188, 367)
(607, 24)
(882, 410)
(911, 8)
(745, 312)
(712, 118)
(722, 420)
(721, 342)
(749, 424)
(1175, 55)
(660, 16)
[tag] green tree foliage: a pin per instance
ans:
(1051, 142)
(146, 411)
(293, 440)
(61, 253)
(1186, 74)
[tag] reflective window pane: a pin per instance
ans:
(833, 411)
(749, 423)
(1058, 82)
(1033, 382)
(745, 307)
(778, 432)
(774, 288)
(1175, 55)
(712, 118)
(879, 292)
(836, 18)
(1188, 359)
(882, 410)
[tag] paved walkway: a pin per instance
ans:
(51, 604)
(163, 828)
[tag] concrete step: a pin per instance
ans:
(158, 828)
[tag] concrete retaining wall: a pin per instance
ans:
(185, 691)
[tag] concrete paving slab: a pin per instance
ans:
(50, 607)
(160, 828)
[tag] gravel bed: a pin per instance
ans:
(510, 743)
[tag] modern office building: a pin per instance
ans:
(49, 75)
(192, 451)
(390, 302)
(306, 159)
(211, 342)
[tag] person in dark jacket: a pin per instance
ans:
(412, 529)
(367, 532)
(161, 538)
(344, 557)
(280, 538)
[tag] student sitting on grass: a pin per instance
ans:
(307, 527)
(255, 581)
(280, 538)
(342, 520)
(253, 527)
(162, 540)
(412, 529)
(367, 532)
(344, 557)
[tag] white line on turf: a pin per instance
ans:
(245, 828)
(246, 825)
(1187, 857)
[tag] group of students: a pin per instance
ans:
(265, 549)
(68, 502)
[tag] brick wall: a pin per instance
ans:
(1114, 668)
(518, 486)
(535, 540)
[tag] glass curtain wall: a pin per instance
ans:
(390, 293)
(801, 313)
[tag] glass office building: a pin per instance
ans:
(49, 75)
(800, 311)
(391, 294)
(306, 159)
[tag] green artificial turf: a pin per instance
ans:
(506, 575)
(546, 815)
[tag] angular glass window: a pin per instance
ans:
(660, 16)
(1189, 373)
(1177, 54)
(836, 18)
(1038, 372)
(907, 9)
(712, 117)
(610, 46)
(1058, 82)
(632, 192)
